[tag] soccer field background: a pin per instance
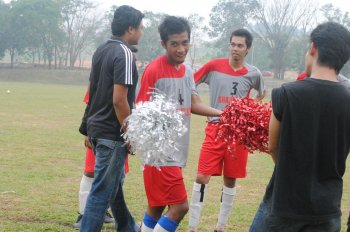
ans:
(42, 158)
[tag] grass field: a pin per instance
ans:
(42, 157)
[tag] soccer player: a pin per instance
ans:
(164, 186)
(113, 80)
(309, 141)
(227, 78)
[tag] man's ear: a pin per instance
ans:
(131, 29)
(163, 44)
(312, 49)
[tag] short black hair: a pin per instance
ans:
(243, 33)
(173, 25)
(125, 17)
(332, 41)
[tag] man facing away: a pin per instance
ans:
(309, 141)
(227, 78)
(113, 80)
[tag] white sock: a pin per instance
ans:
(228, 195)
(196, 204)
(85, 186)
(144, 228)
(159, 228)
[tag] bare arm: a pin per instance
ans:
(198, 107)
(120, 103)
(274, 133)
(259, 98)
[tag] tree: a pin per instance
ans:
(81, 25)
(14, 33)
(277, 23)
(150, 45)
(227, 16)
(4, 24)
(334, 14)
(197, 30)
(43, 20)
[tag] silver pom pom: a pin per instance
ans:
(154, 129)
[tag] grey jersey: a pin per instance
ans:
(225, 83)
(177, 84)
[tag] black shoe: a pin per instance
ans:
(108, 218)
(77, 224)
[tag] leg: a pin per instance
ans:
(88, 178)
(124, 220)
(109, 171)
(234, 167)
(165, 186)
(85, 186)
(197, 200)
(259, 219)
(151, 218)
(227, 197)
(210, 163)
(170, 221)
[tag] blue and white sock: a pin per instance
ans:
(148, 223)
(165, 224)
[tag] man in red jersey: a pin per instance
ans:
(227, 78)
(167, 74)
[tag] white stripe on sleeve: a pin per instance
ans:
(128, 65)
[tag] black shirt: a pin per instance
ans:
(313, 146)
(112, 63)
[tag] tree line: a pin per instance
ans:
(61, 34)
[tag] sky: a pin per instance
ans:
(186, 7)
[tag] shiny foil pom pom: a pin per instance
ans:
(245, 122)
(154, 129)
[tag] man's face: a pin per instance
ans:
(136, 34)
(238, 48)
(177, 47)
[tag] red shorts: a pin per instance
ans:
(90, 161)
(164, 186)
(215, 159)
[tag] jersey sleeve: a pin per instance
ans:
(193, 86)
(147, 85)
(123, 66)
(259, 85)
(202, 74)
(87, 95)
(278, 102)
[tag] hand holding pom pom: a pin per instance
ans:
(245, 122)
(154, 129)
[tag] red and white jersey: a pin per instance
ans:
(226, 83)
(178, 84)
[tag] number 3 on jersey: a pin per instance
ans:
(234, 88)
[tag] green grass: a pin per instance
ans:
(42, 158)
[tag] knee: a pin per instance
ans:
(182, 211)
(178, 212)
(89, 174)
(202, 179)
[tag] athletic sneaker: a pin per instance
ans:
(77, 224)
(108, 219)
(219, 230)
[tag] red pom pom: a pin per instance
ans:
(245, 122)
